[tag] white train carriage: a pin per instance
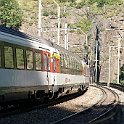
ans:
(34, 67)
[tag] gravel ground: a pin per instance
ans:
(121, 95)
(48, 115)
(121, 99)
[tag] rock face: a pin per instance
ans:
(111, 36)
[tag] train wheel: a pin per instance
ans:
(80, 90)
(55, 95)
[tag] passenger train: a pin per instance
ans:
(34, 68)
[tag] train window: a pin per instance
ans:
(77, 66)
(71, 63)
(62, 60)
(68, 61)
(38, 61)
(54, 64)
(65, 59)
(20, 58)
(29, 56)
(8, 51)
(0, 56)
(74, 64)
(46, 62)
(81, 67)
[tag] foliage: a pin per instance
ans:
(72, 26)
(10, 13)
(45, 13)
(101, 3)
(84, 24)
(122, 74)
(80, 5)
(72, 1)
(64, 14)
(63, 1)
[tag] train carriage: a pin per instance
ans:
(32, 67)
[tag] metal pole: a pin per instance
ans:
(96, 63)
(58, 9)
(109, 80)
(118, 60)
(53, 40)
(65, 35)
(58, 24)
(67, 41)
(39, 18)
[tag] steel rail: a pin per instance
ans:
(99, 103)
(109, 113)
(101, 100)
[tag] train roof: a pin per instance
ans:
(17, 33)
(66, 51)
(36, 39)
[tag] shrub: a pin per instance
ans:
(45, 13)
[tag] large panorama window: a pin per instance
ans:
(8, 57)
(20, 58)
(38, 61)
(29, 56)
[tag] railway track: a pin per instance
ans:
(95, 105)
(54, 112)
(96, 113)
(29, 105)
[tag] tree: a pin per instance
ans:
(10, 14)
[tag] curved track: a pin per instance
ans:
(95, 113)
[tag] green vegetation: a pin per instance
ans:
(84, 25)
(65, 1)
(80, 5)
(101, 3)
(45, 13)
(10, 13)
(122, 75)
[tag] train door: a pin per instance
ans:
(55, 67)
(46, 64)
(56, 63)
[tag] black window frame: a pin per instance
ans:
(39, 52)
(9, 45)
(17, 47)
(29, 49)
